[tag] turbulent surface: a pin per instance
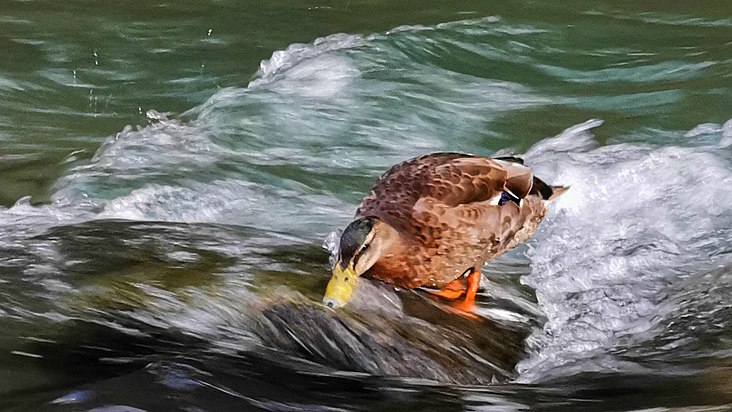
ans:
(176, 263)
(638, 221)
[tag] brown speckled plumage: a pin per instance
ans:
(445, 208)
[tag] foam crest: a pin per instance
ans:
(723, 131)
(311, 69)
(282, 60)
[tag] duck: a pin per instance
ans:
(432, 222)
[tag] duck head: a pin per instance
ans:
(363, 243)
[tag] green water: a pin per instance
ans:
(168, 172)
(65, 87)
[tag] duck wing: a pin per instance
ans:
(422, 195)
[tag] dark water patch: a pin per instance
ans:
(321, 358)
(240, 382)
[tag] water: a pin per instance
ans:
(170, 171)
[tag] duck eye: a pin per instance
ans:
(364, 247)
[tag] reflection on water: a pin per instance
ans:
(180, 265)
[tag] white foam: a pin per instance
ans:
(310, 70)
(706, 129)
(332, 244)
(636, 219)
(282, 60)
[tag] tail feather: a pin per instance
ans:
(548, 193)
(556, 192)
(541, 188)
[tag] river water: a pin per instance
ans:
(171, 175)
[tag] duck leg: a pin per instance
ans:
(472, 282)
(452, 290)
(457, 288)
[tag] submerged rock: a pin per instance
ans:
(424, 342)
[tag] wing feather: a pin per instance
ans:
(410, 193)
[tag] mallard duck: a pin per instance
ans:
(432, 222)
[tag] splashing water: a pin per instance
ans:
(637, 220)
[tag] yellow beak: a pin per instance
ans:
(340, 287)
